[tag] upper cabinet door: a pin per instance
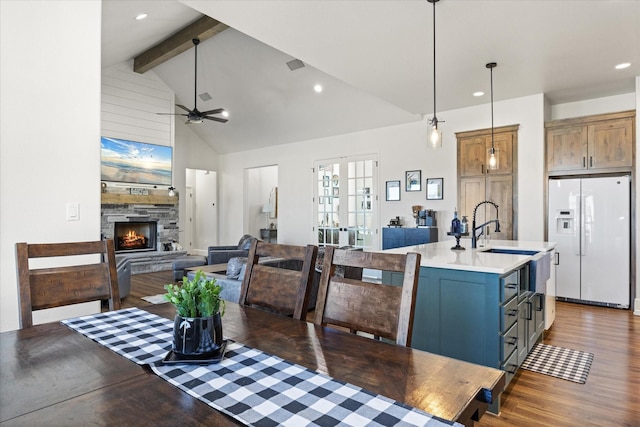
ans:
(583, 145)
(567, 148)
(503, 143)
(473, 156)
(610, 144)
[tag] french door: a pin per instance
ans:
(346, 202)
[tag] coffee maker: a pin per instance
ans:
(426, 218)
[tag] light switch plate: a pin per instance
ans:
(73, 211)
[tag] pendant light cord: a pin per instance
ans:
(492, 108)
(434, 64)
(491, 66)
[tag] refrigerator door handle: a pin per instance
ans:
(557, 259)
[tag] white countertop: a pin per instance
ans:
(440, 255)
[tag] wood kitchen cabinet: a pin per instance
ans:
(476, 183)
(600, 143)
(474, 154)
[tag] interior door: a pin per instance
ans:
(346, 195)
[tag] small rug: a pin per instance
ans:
(155, 299)
(559, 362)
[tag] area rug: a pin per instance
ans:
(155, 299)
(559, 362)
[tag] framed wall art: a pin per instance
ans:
(435, 188)
(393, 191)
(413, 180)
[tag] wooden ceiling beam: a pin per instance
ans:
(203, 29)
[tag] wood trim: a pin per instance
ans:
(203, 29)
(128, 199)
(590, 119)
(484, 132)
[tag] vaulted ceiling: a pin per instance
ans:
(374, 59)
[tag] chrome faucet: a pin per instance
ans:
(474, 238)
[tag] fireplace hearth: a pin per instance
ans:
(135, 236)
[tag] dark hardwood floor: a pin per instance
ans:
(610, 397)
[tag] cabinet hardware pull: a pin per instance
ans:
(512, 313)
(584, 162)
(511, 369)
(541, 301)
(530, 314)
(557, 260)
(512, 286)
(513, 341)
(590, 161)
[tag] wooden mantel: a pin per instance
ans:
(129, 199)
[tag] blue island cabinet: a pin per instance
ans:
(397, 237)
(472, 316)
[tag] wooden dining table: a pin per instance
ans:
(50, 374)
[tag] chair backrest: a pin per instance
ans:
(280, 290)
(382, 310)
(74, 283)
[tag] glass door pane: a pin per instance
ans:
(328, 191)
(346, 203)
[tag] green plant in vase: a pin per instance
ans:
(197, 329)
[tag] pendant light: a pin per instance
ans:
(493, 153)
(435, 136)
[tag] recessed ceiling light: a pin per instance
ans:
(478, 93)
(623, 65)
(141, 16)
(225, 113)
(318, 88)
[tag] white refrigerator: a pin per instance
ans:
(589, 219)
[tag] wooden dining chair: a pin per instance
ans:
(279, 278)
(383, 310)
(73, 283)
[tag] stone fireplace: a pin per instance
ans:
(135, 236)
(152, 220)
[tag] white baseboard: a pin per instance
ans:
(636, 306)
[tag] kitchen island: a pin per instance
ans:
(484, 305)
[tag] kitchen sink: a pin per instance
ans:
(509, 251)
(539, 266)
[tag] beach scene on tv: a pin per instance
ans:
(135, 162)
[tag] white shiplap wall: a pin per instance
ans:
(129, 105)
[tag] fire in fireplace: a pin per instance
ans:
(135, 236)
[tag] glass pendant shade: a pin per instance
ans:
(435, 137)
(493, 159)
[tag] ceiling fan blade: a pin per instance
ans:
(171, 114)
(184, 108)
(216, 111)
(215, 119)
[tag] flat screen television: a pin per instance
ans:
(135, 162)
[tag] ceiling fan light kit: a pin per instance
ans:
(493, 153)
(435, 136)
(195, 116)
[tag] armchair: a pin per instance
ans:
(222, 254)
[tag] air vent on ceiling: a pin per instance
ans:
(295, 64)
(205, 96)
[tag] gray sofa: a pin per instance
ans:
(222, 254)
(231, 284)
(123, 266)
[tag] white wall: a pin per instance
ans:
(399, 148)
(190, 153)
(609, 104)
(49, 65)
(259, 183)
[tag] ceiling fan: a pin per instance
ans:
(196, 116)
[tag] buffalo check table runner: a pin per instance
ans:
(253, 387)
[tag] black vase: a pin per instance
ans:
(197, 336)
